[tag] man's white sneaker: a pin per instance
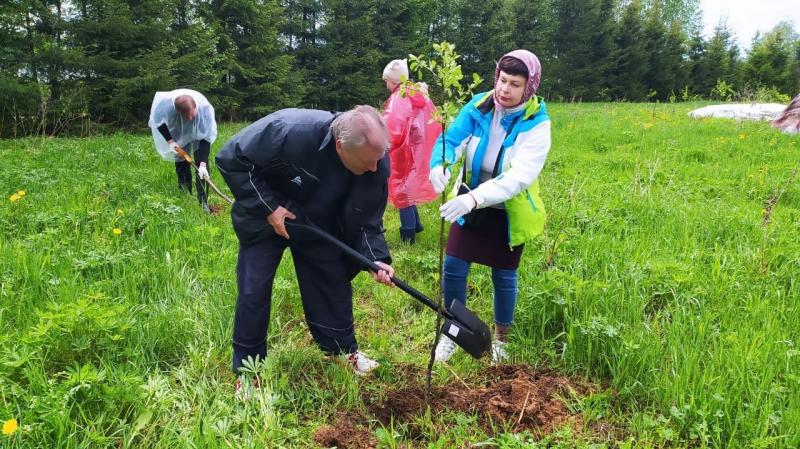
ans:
(499, 354)
(445, 349)
(361, 364)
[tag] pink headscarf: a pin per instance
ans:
(534, 73)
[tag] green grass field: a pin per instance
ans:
(669, 276)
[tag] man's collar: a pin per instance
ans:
(329, 136)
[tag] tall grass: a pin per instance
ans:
(665, 282)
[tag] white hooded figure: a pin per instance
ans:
(184, 118)
(184, 132)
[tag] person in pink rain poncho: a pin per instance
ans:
(412, 132)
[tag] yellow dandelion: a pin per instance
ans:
(21, 193)
(10, 426)
(14, 198)
(117, 231)
(742, 136)
(648, 125)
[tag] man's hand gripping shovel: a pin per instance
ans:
(461, 325)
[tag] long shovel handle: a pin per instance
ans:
(219, 192)
(402, 285)
(185, 156)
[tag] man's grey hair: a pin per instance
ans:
(358, 126)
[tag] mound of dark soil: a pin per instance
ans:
(512, 398)
(346, 432)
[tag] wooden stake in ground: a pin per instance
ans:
(524, 404)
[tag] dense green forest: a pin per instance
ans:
(86, 66)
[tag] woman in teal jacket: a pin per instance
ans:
(504, 137)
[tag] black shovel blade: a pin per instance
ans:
(467, 331)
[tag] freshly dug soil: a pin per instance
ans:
(346, 432)
(512, 398)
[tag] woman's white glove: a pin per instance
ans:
(439, 178)
(458, 207)
(202, 171)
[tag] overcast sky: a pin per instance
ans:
(745, 17)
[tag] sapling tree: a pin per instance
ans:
(449, 92)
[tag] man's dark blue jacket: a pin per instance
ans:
(277, 161)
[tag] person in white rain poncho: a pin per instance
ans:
(184, 118)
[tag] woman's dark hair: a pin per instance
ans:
(513, 66)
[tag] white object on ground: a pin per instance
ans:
(749, 111)
(361, 364)
(445, 349)
(499, 353)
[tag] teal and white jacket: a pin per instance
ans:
(522, 155)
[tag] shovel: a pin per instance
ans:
(461, 325)
(185, 156)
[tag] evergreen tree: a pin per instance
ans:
(604, 51)
(443, 24)
(300, 28)
(631, 63)
(769, 63)
(62, 59)
(684, 13)
(257, 77)
(676, 63)
(348, 71)
(657, 77)
(402, 27)
(13, 63)
(402, 30)
(34, 34)
(483, 37)
(194, 62)
(123, 59)
(700, 74)
(795, 70)
(300, 32)
(19, 89)
(532, 23)
(581, 52)
(722, 55)
(50, 54)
